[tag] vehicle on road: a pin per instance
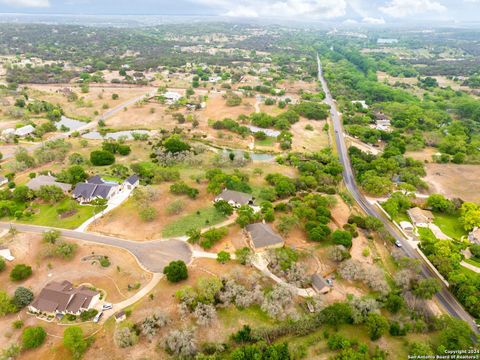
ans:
(398, 244)
(107, 306)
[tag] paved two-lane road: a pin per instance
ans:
(444, 297)
(151, 255)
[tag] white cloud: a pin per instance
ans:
(373, 21)
(313, 9)
(26, 3)
(403, 8)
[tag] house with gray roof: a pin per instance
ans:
(62, 298)
(319, 284)
(87, 192)
(262, 237)
(235, 198)
(131, 182)
(42, 180)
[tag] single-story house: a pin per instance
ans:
(420, 217)
(235, 198)
(406, 225)
(131, 182)
(171, 97)
(6, 254)
(383, 124)
(262, 237)
(95, 188)
(24, 130)
(474, 235)
(3, 180)
(120, 316)
(319, 284)
(63, 298)
(41, 180)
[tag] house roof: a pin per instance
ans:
(37, 182)
(24, 130)
(132, 179)
(474, 234)
(262, 235)
(419, 215)
(235, 196)
(318, 282)
(62, 296)
(96, 179)
(89, 191)
(120, 314)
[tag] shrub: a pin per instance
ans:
(175, 207)
(51, 236)
(176, 271)
(212, 236)
(181, 343)
(377, 325)
(223, 257)
(101, 158)
(20, 272)
(22, 297)
(105, 261)
(73, 340)
(243, 255)
(224, 207)
(341, 237)
(33, 337)
(88, 315)
(181, 188)
(17, 324)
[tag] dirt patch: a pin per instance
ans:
(309, 140)
(452, 180)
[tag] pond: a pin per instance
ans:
(71, 124)
(261, 157)
(127, 134)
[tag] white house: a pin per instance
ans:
(24, 130)
(131, 182)
(235, 198)
(171, 97)
(95, 188)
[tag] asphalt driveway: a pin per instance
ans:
(151, 255)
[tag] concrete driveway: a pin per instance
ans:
(153, 256)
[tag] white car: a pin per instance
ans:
(107, 306)
(398, 244)
(97, 318)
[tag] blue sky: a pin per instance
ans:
(352, 11)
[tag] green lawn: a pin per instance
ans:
(450, 225)
(253, 315)
(426, 234)
(268, 141)
(47, 215)
(197, 220)
(473, 261)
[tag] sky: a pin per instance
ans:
(372, 12)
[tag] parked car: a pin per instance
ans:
(398, 244)
(97, 318)
(107, 306)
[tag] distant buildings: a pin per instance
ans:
(171, 97)
(319, 284)
(62, 298)
(383, 41)
(20, 132)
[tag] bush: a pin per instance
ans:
(105, 262)
(22, 297)
(341, 237)
(243, 255)
(176, 271)
(88, 315)
(181, 188)
(51, 236)
(125, 337)
(212, 236)
(73, 340)
(223, 257)
(101, 158)
(175, 207)
(20, 272)
(377, 325)
(33, 337)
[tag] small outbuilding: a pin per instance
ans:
(131, 182)
(120, 316)
(262, 237)
(319, 284)
(6, 254)
(406, 225)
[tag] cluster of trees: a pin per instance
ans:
(282, 121)
(208, 238)
(181, 188)
(377, 174)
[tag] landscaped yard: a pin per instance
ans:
(268, 141)
(199, 219)
(48, 215)
(450, 225)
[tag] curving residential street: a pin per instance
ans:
(444, 297)
(153, 255)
